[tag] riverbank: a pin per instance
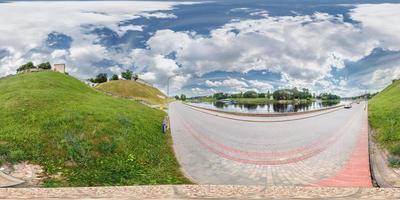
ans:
(258, 101)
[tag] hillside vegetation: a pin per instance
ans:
(384, 117)
(134, 90)
(88, 137)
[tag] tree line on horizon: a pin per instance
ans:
(30, 65)
(282, 94)
(103, 77)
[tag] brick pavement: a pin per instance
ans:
(301, 152)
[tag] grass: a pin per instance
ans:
(134, 90)
(90, 138)
(384, 117)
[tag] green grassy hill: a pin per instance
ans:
(88, 137)
(384, 117)
(134, 90)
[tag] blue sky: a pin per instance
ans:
(345, 47)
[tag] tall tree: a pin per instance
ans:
(127, 74)
(45, 65)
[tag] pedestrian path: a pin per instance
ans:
(328, 148)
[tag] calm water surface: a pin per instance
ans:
(267, 108)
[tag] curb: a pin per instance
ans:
(15, 181)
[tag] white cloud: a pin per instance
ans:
(231, 82)
(304, 49)
(380, 21)
(382, 77)
(29, 23)
(261, 85)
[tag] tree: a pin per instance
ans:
(127, 75)
(44, 66)
(26, 66)
(250, 94)
(183, 97)
(220, 96)
(261, 95)
(135, 77)
(177, 97)
(100, 78)
(114, 77)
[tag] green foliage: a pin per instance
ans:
(26, 66)
(135, 77)
(384, 117)
(328, 96)
(394, 161)
(183, 97)
(127, 75)
(67, 127)
(250, 94)
(45, 66)
(114, 77)
(220, 96)
(4, 150)
(177, 97)
(100, 78)
(17, 156)
(291, 94)
(261, 95)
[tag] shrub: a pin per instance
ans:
(100, 78)
(127, 74)
(395, 150)
(17, 156)
(183, 97)
(114, 77)
(250, 94)
(394, 161)
(26, 66)
(4, 150)
(45, 65)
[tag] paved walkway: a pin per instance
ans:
(199, 192)
(9, 181)
(319, 149)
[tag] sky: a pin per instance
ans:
(344, 47)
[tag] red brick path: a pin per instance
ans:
(356, 172)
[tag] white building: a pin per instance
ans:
(59, 68)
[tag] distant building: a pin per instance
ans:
(59, 68)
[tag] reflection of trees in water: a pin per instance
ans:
(276, 107)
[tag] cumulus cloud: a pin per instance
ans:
(29, 23)
(231, 82)
(303, 49)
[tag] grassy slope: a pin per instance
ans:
(132, 89)
(91, 138)
(384, 117)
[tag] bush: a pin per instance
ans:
(250, 94)
(395, 150)
(114, 77)
(45, 65)
(183, 97)
(100, 78)
(394, 161)
(127, 74)
(26, 66)
(4, 150)
(17, 156)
